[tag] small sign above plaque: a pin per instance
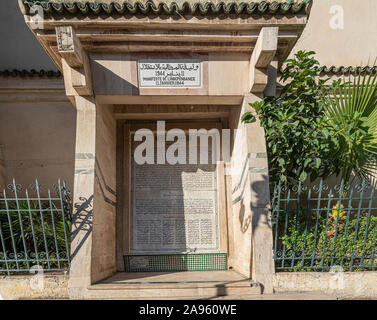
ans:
(169, 73)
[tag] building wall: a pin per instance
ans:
(22, 50)
(41, 145)
(37, 140)
(354, 45)
(115, 74)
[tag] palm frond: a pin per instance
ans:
(351, 113)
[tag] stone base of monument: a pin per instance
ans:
(173, 285)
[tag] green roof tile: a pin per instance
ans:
(30, 73)
(117, 7)
(349, 69)
(57, 74)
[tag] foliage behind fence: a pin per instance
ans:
(316, 228)
(34, 228)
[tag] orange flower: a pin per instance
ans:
(330, 233)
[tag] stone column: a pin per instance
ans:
(251, 201)
(94, 198)
(83, 193)
(105, 197)
(262, 242)
(93, 231)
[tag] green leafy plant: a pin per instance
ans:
(355, 238)
(298, 140)
(351, 117)
(38, 234)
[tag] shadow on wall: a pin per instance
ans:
(261, 205)
(106, 81)
(82, 223)
(244, 222)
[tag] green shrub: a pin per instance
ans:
(38, 235)
(298, 142)
(308, 240)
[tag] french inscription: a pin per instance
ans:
(169, 74)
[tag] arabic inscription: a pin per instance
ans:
(169, 74)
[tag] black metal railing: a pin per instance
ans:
(319, 227)
(35, 228)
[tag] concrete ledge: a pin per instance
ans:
(27, 287)
(342, 284)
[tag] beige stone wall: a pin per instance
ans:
(352, 285)
(25, 287)
(228, 73)
(240, 259)
(344, 285)
(352, 46)
(83, 194)
(224, 74)
(252, 229)
(37, 140)
(93, 230)
(103, 257)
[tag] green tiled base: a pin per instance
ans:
(175, 262)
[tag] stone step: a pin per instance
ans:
(180, 290)
(175, 285)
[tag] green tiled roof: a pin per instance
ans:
(350, 69)
(57, 74)
(118, 7)
(30, 73)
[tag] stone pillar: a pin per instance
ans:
(251, 201)
(94, 198)
(83, 193)
(105, 197)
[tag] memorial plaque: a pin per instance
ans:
(174, 208)
(169, 74)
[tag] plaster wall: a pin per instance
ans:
(353, 45)
(37, 140)
(22, 50)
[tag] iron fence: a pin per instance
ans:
(35, 228)
(320, 227)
